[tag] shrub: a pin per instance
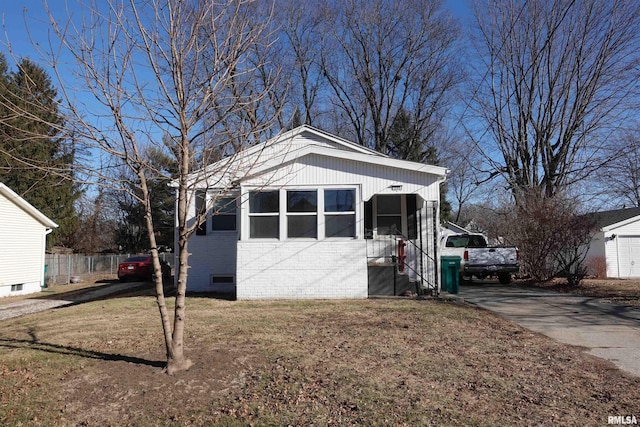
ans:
(597, 266)
(553, 239)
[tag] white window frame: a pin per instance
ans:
(246, 233)
(288, 214)
(283, 212)
(353, 213)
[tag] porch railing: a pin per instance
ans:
(406, 255)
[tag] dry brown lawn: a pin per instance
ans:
(372, 362)
(618, 291)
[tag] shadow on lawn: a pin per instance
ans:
(35, 344)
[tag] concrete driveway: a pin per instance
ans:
(609, 331)
(33, 304)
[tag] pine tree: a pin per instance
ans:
(34, 160)
(131, 234)
(407, 142)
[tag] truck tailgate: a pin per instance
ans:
(492, 256)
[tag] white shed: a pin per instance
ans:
(617, 240)
(23, 234)
(311, 215)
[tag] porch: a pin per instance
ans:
(401, 245)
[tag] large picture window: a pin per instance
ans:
(264, 214)
(302, 213)
(224, 214)
(340, 213)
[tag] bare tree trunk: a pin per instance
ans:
(181, 78)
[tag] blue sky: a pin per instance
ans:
(18, 15)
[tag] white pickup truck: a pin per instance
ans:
(480, 260)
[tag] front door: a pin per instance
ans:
(391, 219)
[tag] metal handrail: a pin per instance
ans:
(392, 256)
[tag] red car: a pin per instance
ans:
(140, 267)
(135, 267)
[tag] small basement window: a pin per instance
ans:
(216, 280)
(16, 288)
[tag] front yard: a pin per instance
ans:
(374, 362)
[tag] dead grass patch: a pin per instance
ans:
(374, 362)
(617, 291)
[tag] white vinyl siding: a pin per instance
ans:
(622, 250)
(372, 179)
(22, 245)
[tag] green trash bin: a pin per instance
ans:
(450, 270)
(44, 282)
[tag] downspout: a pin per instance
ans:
(436, 226)
(617, 256)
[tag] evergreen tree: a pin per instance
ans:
(407, 142)
(34, 161)
(131, 234)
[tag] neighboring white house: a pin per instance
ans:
(23, 234)
(617, 239)
(310, 215)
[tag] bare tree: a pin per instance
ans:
(173, 76)
(463, 161)
(302, 35)
(381, 56)
(621, 176)
(556, 81)
(96, 231)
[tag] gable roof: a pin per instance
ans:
(13, 197)
(608, 219)
(331, 146)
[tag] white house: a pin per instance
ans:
(617, 240)
(310, 215)
(23, 234)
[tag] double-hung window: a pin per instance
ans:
(223, 217)
(302, 213)
(264, 214)
(340, 213)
